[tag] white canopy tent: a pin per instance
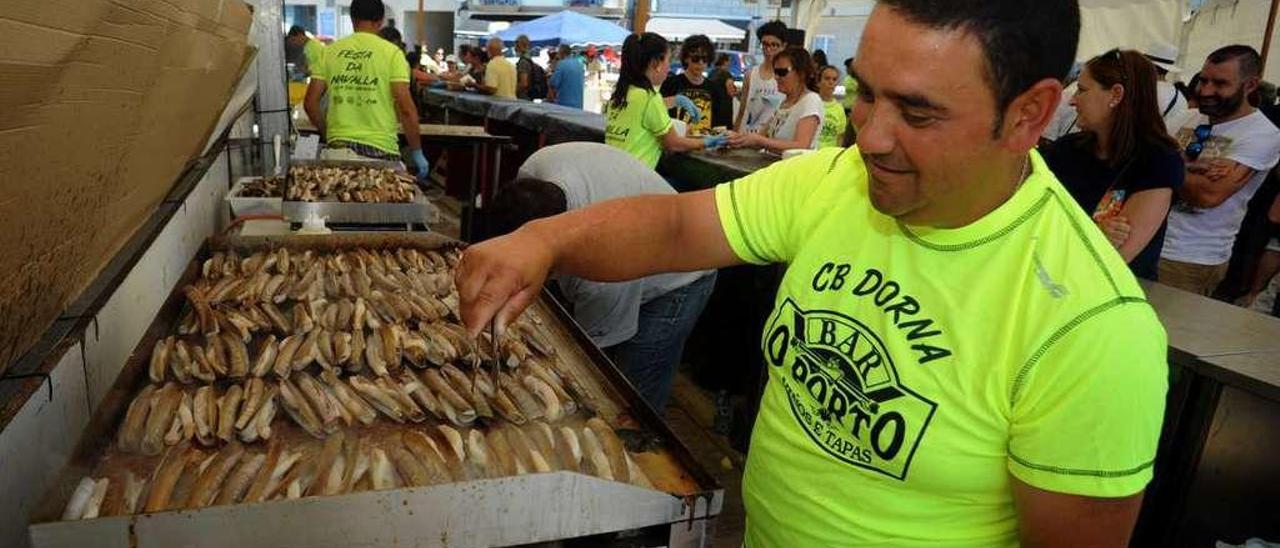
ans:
(1223, 22)
(679, 28)
(1129, 24)
(1107, 24)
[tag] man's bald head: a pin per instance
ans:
(495, 47)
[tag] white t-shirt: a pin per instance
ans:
(590, 173)
(762, 99)
(783, 123)
(1172, 105)
(1205, 236)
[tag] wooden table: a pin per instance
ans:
(1225, 388)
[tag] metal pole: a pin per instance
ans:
(1266, 38)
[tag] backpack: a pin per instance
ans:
(537, 80)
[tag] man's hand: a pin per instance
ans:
(422, 168)
(1117, 230)
(1217, 168)
(499, 278)
(745, 139)
(712, 142)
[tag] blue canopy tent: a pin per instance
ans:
(566, 27)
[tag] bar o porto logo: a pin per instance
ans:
(844, 391)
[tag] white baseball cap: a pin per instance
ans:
(1163, 55)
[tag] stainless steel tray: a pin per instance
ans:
(512, 510)
(419, 211)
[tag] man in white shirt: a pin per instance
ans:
(1229, 151)
(642, 324)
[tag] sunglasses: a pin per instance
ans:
(697, 59)
(782, 72)
(770, 45)
(1116, 57)
(1196, 147)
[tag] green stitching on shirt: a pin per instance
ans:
(737, 219)
(1058, 335)
(1082, 472)
(1026, 215)
(1097, 258)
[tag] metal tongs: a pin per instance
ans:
(477, 366)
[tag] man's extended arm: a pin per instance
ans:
(408, 114)
(612, 241)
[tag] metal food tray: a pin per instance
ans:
(418, 211)
(522, 509)
(246, 206)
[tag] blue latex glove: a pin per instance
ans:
(686, 103)
(715, 141)
(420, 164)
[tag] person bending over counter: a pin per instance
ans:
(641, 325)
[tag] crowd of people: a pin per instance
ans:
(1168, 171)
(1165, 170)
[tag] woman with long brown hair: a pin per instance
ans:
(1123, 168)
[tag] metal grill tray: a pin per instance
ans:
(418, 211)
(491, 512)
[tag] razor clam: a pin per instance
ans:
(135, 420)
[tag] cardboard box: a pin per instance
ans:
(104, 102)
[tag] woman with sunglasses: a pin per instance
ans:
(798, 119)
(636, 118)
(1122, 167)
(760, 95)
(834, 120)
(699, 92)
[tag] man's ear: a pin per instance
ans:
(1030, 113)
(1251, 84)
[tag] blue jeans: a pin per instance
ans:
(649, 359)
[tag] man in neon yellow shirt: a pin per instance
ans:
(850, 85)
(312, 49)
(956, 357)
(367, 79)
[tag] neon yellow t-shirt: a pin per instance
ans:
(638, 127)
(833, 124)
(313, 50)
(912, 370)
(501, 74)
(359, 70)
